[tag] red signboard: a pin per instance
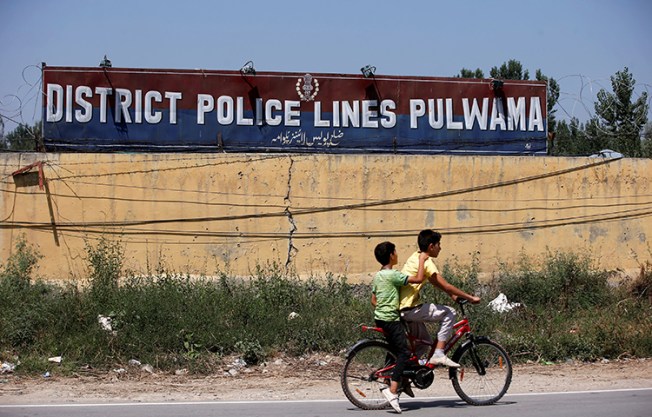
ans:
(120, 109)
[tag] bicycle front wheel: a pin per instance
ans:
(485, 372)
(367, 369)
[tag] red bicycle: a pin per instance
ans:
(483, 377)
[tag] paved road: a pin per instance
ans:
(620, 403)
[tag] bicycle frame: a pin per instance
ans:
(460, 329)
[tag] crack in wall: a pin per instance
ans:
(292, 250)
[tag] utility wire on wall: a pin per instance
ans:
(134, 227)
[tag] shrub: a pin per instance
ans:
(171, 320)
(17, 273)
(565, 282)
(22, 314)
(105, 268)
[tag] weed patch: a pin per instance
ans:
(173, 321)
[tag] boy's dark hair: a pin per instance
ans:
(383, 251)
(426, 237)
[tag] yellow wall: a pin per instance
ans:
(200, 213)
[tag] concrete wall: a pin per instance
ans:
(202, 213)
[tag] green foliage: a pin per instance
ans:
(570, 311)
(619, 117)
(17, 273)
(566, 282)
(646, 143)
(510, 70)
(19, 323)
(467, 73)
(24, 138)
(251, 350)
(105, 264)
(172, 320)
(571, 139)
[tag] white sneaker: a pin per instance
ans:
(392, 398)
(443, 360)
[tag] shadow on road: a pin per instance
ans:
(417, 405)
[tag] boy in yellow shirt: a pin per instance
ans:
(415, 312)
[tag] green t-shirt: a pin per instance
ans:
(386, 286)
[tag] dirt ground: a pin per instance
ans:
(291, 379)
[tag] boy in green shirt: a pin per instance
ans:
(385, 298)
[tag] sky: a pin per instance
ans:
(580, 43)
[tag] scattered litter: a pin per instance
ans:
(134, 362)
(106, 323)
(235, 367)
(239, 363)
(183, 371)
(293, 315)
(7, 368)
(46, 375)
(501, 305)
(148, 368)
(55, 359)
(120, 371)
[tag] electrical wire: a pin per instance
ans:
(130, 226)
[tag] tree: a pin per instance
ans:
(646, 144)
(467, 73)
(510, 70)
(570, 139)
(23, 138)
(618, 118)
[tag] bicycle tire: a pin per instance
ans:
(476, 389)
(360, 379)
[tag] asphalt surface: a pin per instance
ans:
(606, 403)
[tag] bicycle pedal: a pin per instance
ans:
(407, 389)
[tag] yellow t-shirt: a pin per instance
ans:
(410, 293)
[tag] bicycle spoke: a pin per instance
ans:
(484, 375)
(366, 371)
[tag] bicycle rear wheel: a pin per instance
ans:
(368, 367)
(485, 372)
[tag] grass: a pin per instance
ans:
(174, 321)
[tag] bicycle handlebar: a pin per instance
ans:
(462, 302)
